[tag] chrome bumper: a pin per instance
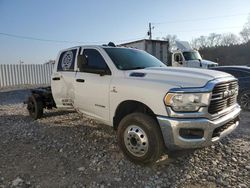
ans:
(171, 127)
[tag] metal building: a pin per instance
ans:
(157, 48)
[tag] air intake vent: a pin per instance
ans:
(137, 74)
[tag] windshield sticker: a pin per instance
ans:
(67, 60)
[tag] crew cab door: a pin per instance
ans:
(92, 88)
(63, 77)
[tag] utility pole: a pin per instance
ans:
(150, 31)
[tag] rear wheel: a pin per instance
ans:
(35, 107)
(244, 100)
(140, 138)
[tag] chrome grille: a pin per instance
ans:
(224, 95)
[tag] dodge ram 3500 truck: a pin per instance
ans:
(153, 107)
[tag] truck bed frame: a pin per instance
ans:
(44, 94)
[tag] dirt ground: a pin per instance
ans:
(66, 149)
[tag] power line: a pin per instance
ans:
(205, 29)
(62, 41)
(34, 38)
(198, 19)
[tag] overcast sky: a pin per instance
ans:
(100, 21)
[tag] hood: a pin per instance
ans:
(204, 62)
(177, 76)
(207, 62)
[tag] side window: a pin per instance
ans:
(177, 57)
(67, 61)
(95, 59)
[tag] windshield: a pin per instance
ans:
(129, 59)
(191, 56)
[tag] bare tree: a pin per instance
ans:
(214, 39)
(203, 41)
(171, 39)
(245, 33)
(200, 42)
(195, 43)
(229, 39)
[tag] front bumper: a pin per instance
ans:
(212, 130)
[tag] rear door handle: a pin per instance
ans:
(56, 78)
(80, 80)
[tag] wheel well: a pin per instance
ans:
(44, 94)
(128, 107)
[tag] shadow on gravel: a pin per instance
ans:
(51, 113)
(175, 159)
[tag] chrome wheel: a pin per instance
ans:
(136, 140)
(140, 138)
(245, 101)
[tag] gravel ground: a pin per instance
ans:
(65, 149)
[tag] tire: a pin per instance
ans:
(35, 107)
(140, 138)
(244, 100)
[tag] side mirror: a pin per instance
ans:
(177, 59)
(81, 62)
(103, 72)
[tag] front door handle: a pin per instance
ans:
(56, 78)
(80, 80)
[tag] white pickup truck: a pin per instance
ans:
(153, 107)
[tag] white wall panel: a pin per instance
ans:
(18, 75)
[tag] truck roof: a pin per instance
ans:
(94, 46)
(91, 46)
(143, 40)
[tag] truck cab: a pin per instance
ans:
(185, 56)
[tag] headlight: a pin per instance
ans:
(187, 102)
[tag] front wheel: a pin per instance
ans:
(244, 100)
(140, 138)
